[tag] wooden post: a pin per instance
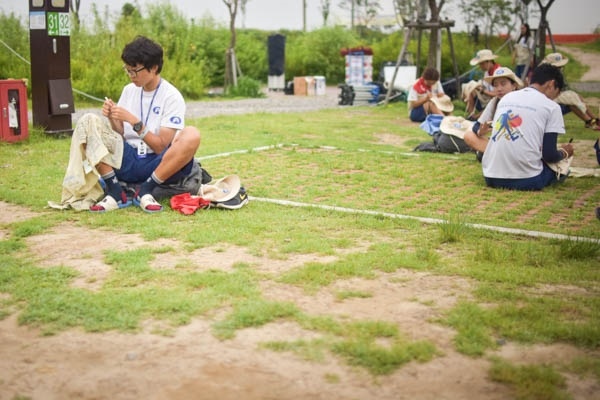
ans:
(398, 61)
(420, 26)
(454, 62)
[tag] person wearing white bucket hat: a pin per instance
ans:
(504, 81)
(569, 100)
(478, 98)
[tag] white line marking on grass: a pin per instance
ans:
(281, 145)
(231, 153)
(493, 228)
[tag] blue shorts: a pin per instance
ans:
(545, 178)
(519, 69)
(478, 104)
(418, 114)
(137, 170)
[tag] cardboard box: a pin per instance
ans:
(309, 85)
(300, 88)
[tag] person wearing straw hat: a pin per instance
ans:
(426, 96)
(503, 81)
(569, 100)
(482, 93)
(524, 135)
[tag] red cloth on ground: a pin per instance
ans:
(187, 204)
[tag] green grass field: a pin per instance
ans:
(360, 194)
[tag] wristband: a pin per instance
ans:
(565, 152)
(144, 133)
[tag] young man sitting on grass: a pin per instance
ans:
(158, 149)
(524, 135)
(569, 100)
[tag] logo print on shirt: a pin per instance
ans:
(507, 126)
(156, 110)
(175, 120)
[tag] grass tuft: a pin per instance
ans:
(530, 382)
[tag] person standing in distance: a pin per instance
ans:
(523, 52)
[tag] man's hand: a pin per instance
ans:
(568, 147)
(484, 128)
(118, 113)
(107, 106)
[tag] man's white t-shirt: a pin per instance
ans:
(488, 112)
(514, 150)
(163, 107)
(487, 86)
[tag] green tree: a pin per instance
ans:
(362, 12)
(434, 31)
(74, 7)
(325, 8)
(14, 48)
(407, 10)
(231, 65)
(543, 27)
(491, 15)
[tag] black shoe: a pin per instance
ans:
(598, 212)
(479, 156)
(238, 201)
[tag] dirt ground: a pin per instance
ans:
(192, 364)
(586, 58)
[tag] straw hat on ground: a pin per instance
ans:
(456, 126)
(556, 59)
(504, 72)
(222, 190)
(483, 55)
(443, 103)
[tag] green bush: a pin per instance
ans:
(251, 52)
(318, 53)
(246, 87)
(15, 36)
(195, 50)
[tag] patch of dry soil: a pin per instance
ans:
(589, 58)
(192, 364)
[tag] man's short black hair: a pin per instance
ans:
(547, 72)
(143, 51)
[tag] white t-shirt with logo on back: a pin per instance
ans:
(514, 150)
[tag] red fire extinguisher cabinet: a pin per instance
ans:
(14, 125)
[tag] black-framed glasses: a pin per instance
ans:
(132, 72)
